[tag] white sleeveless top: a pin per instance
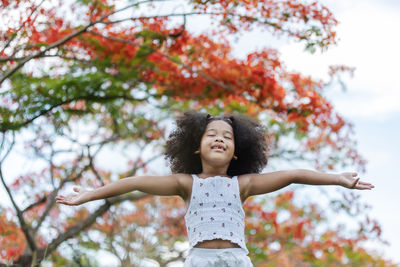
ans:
(215, 211)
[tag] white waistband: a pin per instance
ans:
(215, 251)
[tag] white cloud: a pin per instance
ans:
(370, 43)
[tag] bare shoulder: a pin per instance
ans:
(183, 178)
(244, 181)
(185, 182)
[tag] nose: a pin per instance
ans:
(218, 139)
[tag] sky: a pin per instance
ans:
(369, 41)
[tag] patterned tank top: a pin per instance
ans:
(215, 211)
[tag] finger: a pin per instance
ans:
(354, 174)
(76, 189)
(64, 202)
(355, 183)
(60, 198)
(364, 183)
(363, 187)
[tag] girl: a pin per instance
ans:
(216, 164)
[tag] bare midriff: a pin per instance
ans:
(216, 243)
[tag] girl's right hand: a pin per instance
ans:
(81, 197)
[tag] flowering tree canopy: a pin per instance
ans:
(79, 77)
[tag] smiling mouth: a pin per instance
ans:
(218, 147)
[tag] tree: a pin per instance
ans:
(304, 238)
(102, 65)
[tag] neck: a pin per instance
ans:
(209, 171)
(214, 167)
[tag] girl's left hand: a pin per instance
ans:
(349, 180)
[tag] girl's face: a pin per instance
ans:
(217, 144)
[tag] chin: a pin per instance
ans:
(221, 159)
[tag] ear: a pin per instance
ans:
(231, 119)
(197, 152)
(235, 157)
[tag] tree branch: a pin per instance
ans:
(185, 66)
(52, 198)
(53, 194)
(61, 42)
(101, 20)
(19, 28)
(4, 59)
(45, 198)
(27, 259)
(16, 126)
(24, 227)
(160, 16)
(136, 167)
(76, 229)
(40, 53)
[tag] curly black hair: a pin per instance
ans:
(251, 146)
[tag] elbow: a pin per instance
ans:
(295, 176)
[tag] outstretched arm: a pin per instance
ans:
(154, 185)
(269, 182)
